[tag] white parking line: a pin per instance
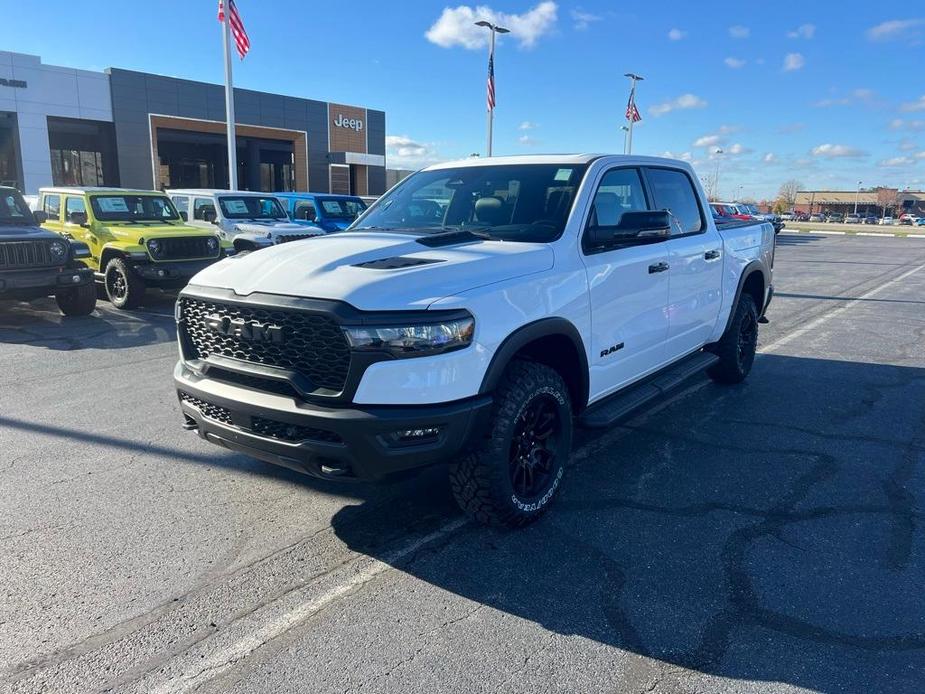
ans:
(855, 233)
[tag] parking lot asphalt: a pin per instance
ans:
(766, 537)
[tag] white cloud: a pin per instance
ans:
(739, 32)
(906, 145)
(917, 105)
(793, 61)
(707, 141)
(913, 125)
(896, 162)
(737, 149)
(582, 20)
(919, 155)
(894, 29)
(683, 156)
(857, 95)
(676, 35)
(405, 153)
(804, 31)
(863, 94)
(734, 63)
(830, 151)
(456, 26)
(769, 158)
(685, 101)
(527, 125)
(527, 141)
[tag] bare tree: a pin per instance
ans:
(886, 198)
(788, 192)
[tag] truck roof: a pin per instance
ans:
(565, 159)
(81, 190)
(214, 191)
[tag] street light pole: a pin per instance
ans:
(856, 196)
(631, 110)
(493, 29)
(717, 153)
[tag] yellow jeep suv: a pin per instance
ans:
(137, 238)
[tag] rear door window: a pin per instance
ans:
(672, 190)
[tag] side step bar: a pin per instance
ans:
(619, 405)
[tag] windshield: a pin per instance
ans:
(13, 209)
(342, 208)
(251, 207)
(518, 202)
(133, 208)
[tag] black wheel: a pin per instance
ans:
(736, 348)
(123, 287)
(511, 477)
(77, 301)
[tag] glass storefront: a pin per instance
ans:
(82, 152)
(9, 152)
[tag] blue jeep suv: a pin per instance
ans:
(329, 211)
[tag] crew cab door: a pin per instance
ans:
(628, 287)
(695, 257)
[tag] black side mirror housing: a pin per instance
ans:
(40, 216)
(77, 218)
(639, 227)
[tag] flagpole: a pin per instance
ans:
(491, 111)
(631, 111)
(229, 103)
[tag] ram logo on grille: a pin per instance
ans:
(250, 331)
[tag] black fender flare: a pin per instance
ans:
(545, 327)
(748, 271)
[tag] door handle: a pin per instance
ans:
(658, 267)
(711, 255)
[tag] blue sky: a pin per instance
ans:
(813, 90)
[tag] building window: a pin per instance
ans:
(82, 152)
(71, 167)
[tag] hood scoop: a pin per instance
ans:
(396, 263)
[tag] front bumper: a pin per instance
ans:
(358, 441)
(42, 281)
(172, 273)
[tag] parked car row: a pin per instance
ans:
(852, 218)
(725, 212)
(70, 239)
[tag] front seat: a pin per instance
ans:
(489, 210)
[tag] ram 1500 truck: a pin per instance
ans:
(35, 263)
(474, 315)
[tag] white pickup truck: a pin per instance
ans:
(474, 315)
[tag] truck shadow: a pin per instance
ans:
(799, 239)
(770, 532)
(39, 323)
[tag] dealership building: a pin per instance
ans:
(886, 201)
(63, 126)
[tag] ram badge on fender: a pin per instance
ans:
(473, 315)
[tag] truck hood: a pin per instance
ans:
(26, 232)
(376, 270)
(154, 231)
(277, 228)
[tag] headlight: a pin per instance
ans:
(413, 340)
(212, 244)
(155, 247)
(58, 250)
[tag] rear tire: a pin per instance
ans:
(124, 288)
(736, 348)
(514, 473)
(77, 301)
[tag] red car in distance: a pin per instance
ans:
(728, 210)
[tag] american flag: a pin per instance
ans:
(491, 82)
(632, 113)
(241, 42)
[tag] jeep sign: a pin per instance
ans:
(350, 123)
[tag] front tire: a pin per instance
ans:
(77, 301)
(736, 348)
(514, 473)
(124, 288)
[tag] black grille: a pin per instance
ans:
(286, 238)
(186, 248)
(216, 412)
(25, 254)
(313, 345)
(291, 432)
(267, 385)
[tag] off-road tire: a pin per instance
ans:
(736, 348)
(77, 301)
(483, 480)
(126, 293)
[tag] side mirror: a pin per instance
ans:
(209, 216)
(40, 216)
(184, 216)
(634, 228)
(77, 218)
